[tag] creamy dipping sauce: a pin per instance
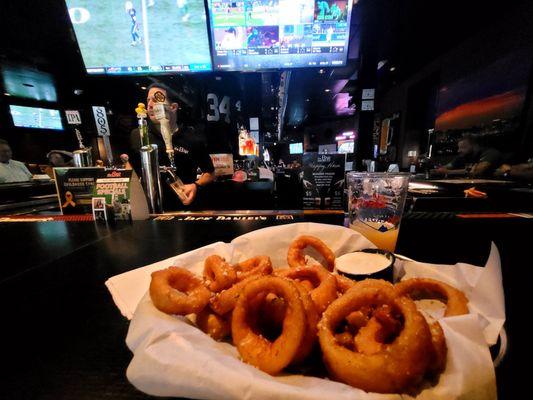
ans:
(361, 263)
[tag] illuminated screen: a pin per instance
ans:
(33, 117)
(296, 148)
(28, 83)
(345, 146)
(141, 36)
(327, 148)
(251, 35)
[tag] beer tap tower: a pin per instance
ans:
(161, 110)
(149, 164)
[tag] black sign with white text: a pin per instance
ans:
(323, 181)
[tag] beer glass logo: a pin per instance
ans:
(375, 204)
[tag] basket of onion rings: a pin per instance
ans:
(266, 316)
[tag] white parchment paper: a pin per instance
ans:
(171, 357)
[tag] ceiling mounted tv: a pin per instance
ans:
(249, 35)
(35, 117)
(141, 36)
(29, 83)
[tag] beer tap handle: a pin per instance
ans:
(143, 126)
(80, 139)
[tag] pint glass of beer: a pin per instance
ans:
(375, 205)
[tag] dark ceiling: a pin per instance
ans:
(410, 34)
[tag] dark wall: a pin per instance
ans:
(415, 98)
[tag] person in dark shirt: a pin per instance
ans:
(472, 160)
(190, 153)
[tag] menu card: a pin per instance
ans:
(323, 181)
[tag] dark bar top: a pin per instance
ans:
(65, 339)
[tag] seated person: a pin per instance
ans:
(11, 170)
(58, 158)
(483, 160)
(522, 171)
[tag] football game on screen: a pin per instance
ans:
(141, 36)
(263, 34)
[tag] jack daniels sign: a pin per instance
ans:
(323, 181)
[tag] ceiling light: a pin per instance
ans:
(392, 69)
(321, 71)
(143, 87)
(327, 90)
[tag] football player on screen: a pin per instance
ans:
(323, 8)
(183, 10)
(134, 28)
(336, 12)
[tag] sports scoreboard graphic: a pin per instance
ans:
(141, 36)
(264, 34)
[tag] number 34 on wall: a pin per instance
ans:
(216, 108)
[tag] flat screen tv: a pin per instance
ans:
(345, 146)
(296, 148)
(34, 117)
(141, 36)
(249, 35)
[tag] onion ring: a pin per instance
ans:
(440, 349)
(371, 338)
(225, 301)
(218, 274)
(213, 324)
(426, 288)
(260, 265)
(456, 304)
(324, 284)
(270, 357)
(343, 283)
(176, 290)
(271, 313)
(296, 258)
(312, 317)
(366, 341)
(374, 283)
(397, 369)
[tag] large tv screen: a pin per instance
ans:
(250, 35)
(141, 36)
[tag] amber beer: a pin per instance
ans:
(376, 202)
